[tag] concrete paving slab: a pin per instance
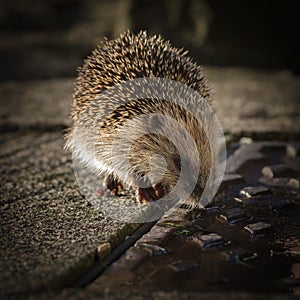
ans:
(247, 101)
(258, 103)
(38, 103)
(156, 295)
(49, 232)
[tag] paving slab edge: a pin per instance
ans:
(79, 294)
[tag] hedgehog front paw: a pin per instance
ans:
(149, 194)
(111, 186)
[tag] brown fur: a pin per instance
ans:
(128, 57)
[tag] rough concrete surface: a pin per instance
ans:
(48, 231)
(246, 101)
(250, 101)
(44, 103)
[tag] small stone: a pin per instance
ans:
(265, 200)
(246, 140)
(293, 184)
(153, 250)
(259, 229)
(103, 250)
(234, 215)
(277, 171)
(210, 240)
(211, 209)
(254, 191)
(281, 182)
(293, 150)
(183, 265)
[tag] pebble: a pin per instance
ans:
(293, 150)
(211, 209)
(293, 184)
(281, 182)
(254, 191)
(245, 140)
(210, 240)
(260, 201)
(103, 250)
(234, 215)
(277, 171)
(153, 250)
(259, 229)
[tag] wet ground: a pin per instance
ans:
(248, 240)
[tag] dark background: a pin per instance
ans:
(50, 38)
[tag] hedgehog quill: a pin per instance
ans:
(151, 150)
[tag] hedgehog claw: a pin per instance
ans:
(150, 194)
(145, 195)
(158, 189)
(112, 185)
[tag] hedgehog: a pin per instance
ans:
(146, 157)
